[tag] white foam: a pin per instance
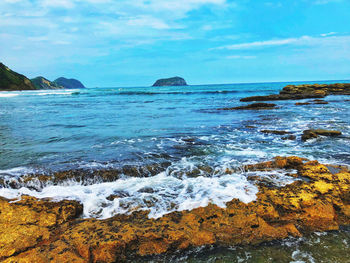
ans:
(55, 93)
(8, 95)
(17, 171)
(168, 194)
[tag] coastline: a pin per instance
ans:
(42, 230)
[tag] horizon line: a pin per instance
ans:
(215, 84)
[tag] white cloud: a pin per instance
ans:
(240, 57)
(266, 43)
(147, 21)
(323, 2)
(58, 3)
(323, 39)
(328, 34)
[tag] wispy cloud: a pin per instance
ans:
(240, 57)
(323, 39)
(266, 43)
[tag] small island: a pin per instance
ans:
(175, 81)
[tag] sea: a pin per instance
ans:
(184, 134)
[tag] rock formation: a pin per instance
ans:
(253, 106)
(175, 81)
(310, 134)
(10, 80)
(306, 91)
(45, 231)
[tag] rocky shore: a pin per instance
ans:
(35, 230)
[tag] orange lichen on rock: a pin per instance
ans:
(42, 231)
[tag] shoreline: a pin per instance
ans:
(317, 199)
(320, 203)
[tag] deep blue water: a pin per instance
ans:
(43, 131)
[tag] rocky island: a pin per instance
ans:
(175, 81)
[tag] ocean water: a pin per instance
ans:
(177, 129)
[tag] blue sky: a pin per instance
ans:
(132, 43)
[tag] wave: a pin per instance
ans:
(181, 92)
(177, 188)
(8, 95)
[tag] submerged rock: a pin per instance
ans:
(254, 106)
(175, 81)
(43, 231)
(310, 134)
(290, 137)
(275, 132)
(10, 80)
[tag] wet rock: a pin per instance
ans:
(147, 190)
(118, 194)
(307, 91)
(275, 132)
(311, 134)
(320, 102)
(320, 203)
(302, 103)
(290, 137)
(282, 97)
(254, 106)
(29, 222)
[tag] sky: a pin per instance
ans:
(120, 43)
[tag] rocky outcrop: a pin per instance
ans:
(310, 134)
(317, 101)
(43, 83)
(254, 106)
(10, 80)
(175, 81)
(69, 83)
(306, 91)
(44, 231)
(275, 132)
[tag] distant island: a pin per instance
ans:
(10, 81)
(175, 81)
(43, 83)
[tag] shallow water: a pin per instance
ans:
(314, 248)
